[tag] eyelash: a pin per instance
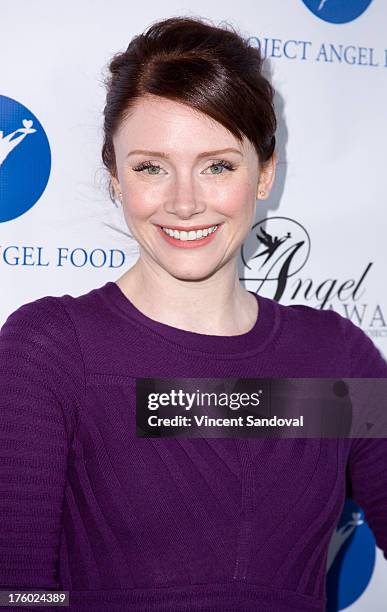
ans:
(148, 164)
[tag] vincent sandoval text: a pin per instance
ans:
(250, 421)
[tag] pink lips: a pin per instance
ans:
(189, 244)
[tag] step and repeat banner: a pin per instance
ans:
(319, 240)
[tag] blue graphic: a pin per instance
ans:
(351, 559)
(25, 159)
(337, 11)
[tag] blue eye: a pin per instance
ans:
(146, 165)
(222, 164)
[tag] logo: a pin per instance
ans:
(351, 558)
(337, 11)
(283, 249)
(274, 256)
(25, 159)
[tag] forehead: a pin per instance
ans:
(156, 121)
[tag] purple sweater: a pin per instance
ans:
(161, 524)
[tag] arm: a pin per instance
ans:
(367, 462)
(41, 381)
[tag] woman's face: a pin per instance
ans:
(177, 182)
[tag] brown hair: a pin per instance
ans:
(211, 69)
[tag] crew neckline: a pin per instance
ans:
(253, 341)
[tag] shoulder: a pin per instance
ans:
(42, 373)
(44, 319)
(74, 330)
(39, 340)
(55, 316)
(332, 334)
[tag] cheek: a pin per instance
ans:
(236, 199)
(140, 201)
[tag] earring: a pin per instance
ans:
(262, 193)
(120, 195)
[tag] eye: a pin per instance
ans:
(221, 165)
(147, 165)
(155, 168)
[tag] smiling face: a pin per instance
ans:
(180, 183)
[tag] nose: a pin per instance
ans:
(185, 199)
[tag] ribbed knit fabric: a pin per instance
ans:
(161, 524)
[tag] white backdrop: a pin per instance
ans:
(329, 193)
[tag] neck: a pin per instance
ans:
(216, 305)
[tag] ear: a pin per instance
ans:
(266, 177)
(116, 186)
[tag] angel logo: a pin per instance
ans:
(25, 159)
(351, 558)
(271, 243)
(337, 11)
(280, 248)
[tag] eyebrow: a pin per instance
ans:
(166, 156)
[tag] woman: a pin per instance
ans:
(132, 523)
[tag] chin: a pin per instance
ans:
(189, 274)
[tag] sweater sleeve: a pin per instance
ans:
(41, 382)
(367, 464)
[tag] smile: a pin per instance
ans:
(189, 238)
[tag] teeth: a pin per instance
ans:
(191, 235)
